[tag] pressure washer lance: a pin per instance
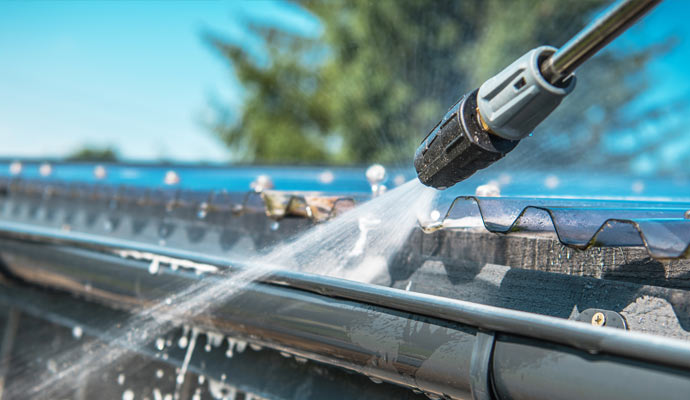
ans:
(485, 125)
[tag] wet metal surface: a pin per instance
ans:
(47, 321)
(99, 233)
(525, 369)
(66, 272)
(418, 341)
(659, 226)
(415, 351)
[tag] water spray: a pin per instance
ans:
(486, 124)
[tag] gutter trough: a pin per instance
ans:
(443, 347)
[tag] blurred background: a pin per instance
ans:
(327, 82)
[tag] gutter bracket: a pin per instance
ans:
(599, 317)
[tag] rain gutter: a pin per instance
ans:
(441, 346)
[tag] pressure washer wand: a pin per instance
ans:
(486, 124)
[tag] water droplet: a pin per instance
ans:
(261, 183)
(275, 225)
(435, 215)
(637, 187)
(77, 332)
(127, 395)
(203, 210)
(326, 177)
(99, 172)
(285, 354)
(552, 182)
(159, 373)
(240, 346)
(121, 379)
(214, 339)
(255, 347)
(171, 178)
(491, 189)
(16, 168)
(45, 169)
(376, 174)
(300, 360)
(207, 348)
(201, 379)
(183, 342)
(155, 266)
(399, 179)
(160, 344)
(222, 391)
(375, 380)
(52, 366)
(231, 345)
(168, 301)
(378, 190)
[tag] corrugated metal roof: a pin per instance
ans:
(660, 225)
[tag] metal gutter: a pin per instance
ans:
(418, 352)
(247, 368)
(41, 255)
(629, 344)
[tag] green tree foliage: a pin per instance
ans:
(87, 153)
(383, 72)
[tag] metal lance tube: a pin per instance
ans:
(593, 37)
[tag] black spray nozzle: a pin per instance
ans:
(458, 146)
(488, 123)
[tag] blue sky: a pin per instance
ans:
(134, 75)
(138, 75)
